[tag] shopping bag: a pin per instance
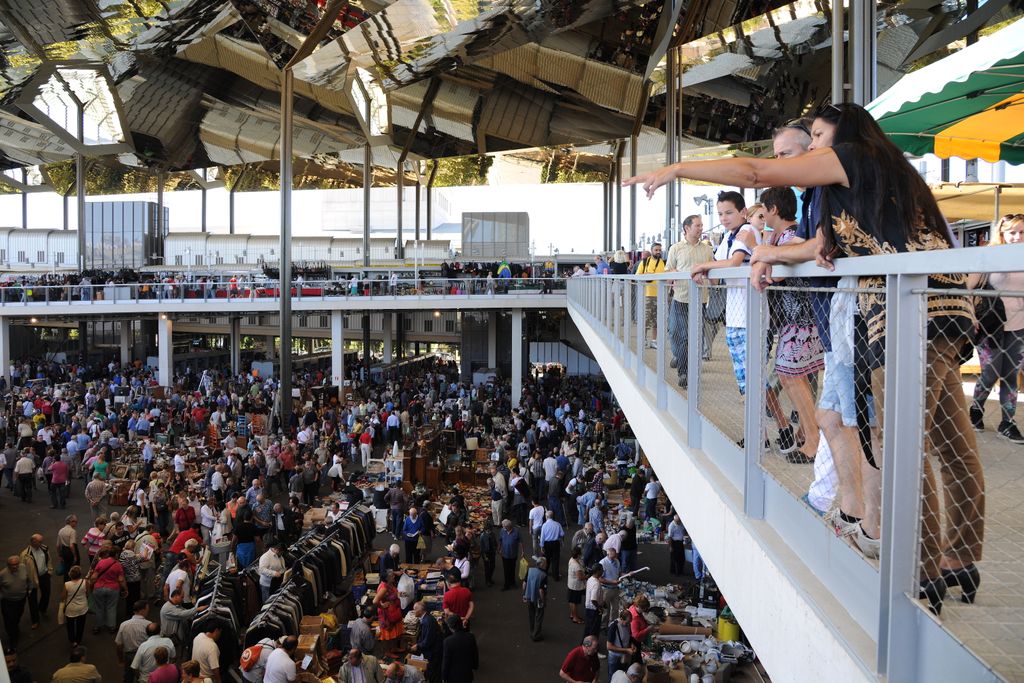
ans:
(60, 613)
(421, 543)
(524, 567)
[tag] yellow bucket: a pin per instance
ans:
(728, 629)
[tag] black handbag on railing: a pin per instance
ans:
(990, 313)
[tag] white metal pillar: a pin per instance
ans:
(517, 356)
(5, 349)
(165, 350)
(337, 348)
(388, 337)
(235, 342)
(492, 339)
(125, 331)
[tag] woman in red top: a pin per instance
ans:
(639, 629)
(106, 583)
(389, 611)
(184, 515)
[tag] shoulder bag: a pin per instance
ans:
(63, 605)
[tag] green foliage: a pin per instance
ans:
(62, 176)
(461, 171)
(562, 166)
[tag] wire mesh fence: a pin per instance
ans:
(834, 364)
(722, 373)
(819, 402)
(972, 533)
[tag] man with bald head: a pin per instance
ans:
(14, 589)
(402, 673)
(39, 567)
(582, 665)
(360, 668)
(429, 641)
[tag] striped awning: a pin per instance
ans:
(968, 105)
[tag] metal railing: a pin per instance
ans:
(14, 293)
(656, 340)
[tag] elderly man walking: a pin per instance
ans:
(551, 534)
(535, 593)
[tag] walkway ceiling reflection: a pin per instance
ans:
(194, 83)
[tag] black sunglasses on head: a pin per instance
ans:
(828, 108)
(798, 124)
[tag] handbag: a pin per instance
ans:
(990, 313)
(219, 539)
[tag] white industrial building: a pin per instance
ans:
(38, 249)
(45, 250)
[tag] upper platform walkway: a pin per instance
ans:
(224, 297)
(813, 606)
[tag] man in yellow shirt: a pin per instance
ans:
(681, 256)
(652, 264)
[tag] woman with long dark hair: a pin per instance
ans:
(874, 202)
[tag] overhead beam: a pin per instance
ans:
(663, 35)
(428, 101)
(974, 21)
(319, 32)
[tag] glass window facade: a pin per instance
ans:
(121, 234)
(488, 236)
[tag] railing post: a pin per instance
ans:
(613, 316)
(903, 423)
(627, 318)
(606, 304)
(694, 356)
(753, 433)
(641, 333)
(661, 393)
(613, 286)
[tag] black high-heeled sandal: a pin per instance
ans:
(968, 578)
(934, 590)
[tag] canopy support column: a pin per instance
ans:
(285, 248)
(517, 356)
(235, 342)
(165, 350)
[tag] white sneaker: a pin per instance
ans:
(870, 547)
(841, 527)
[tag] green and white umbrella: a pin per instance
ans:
(968, 105)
